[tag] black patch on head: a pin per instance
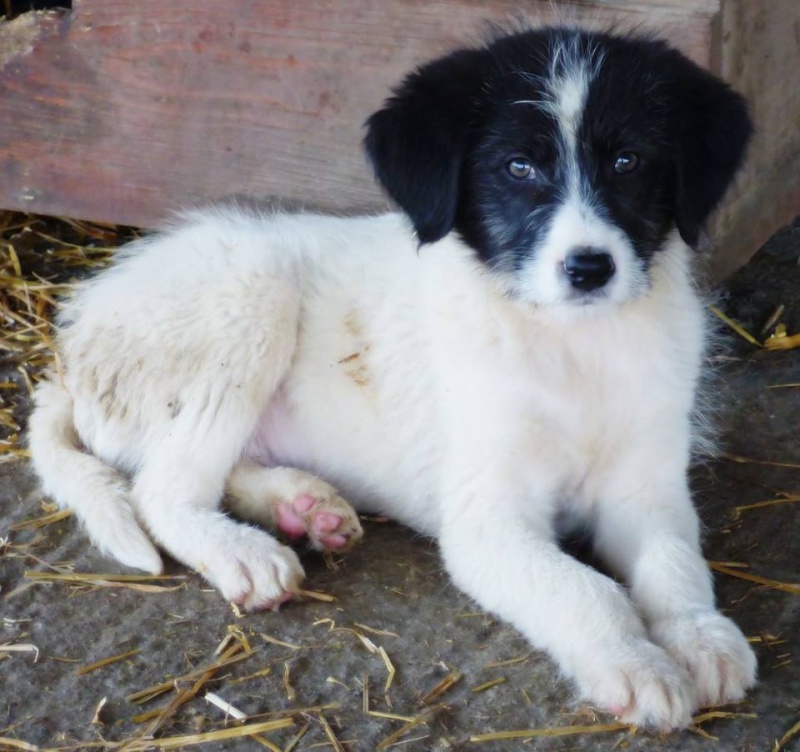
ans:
(418, 140)
(687, 129)
(711, 128)
(627, 114)
(500, 216)
(441, 145)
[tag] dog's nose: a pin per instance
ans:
(588, 268)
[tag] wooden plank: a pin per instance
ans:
(123, 111)
(757, 50)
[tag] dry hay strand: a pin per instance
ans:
(786, 587)
(390, 669)
(19, 647)
(150, 693)
(781, 743)
(600, 728)
(444, 686)
(489, 684)
(711, 715)
(509, 661)
(39, 522)
(212, 698)
(137, 582)
(375, 631)
(161, 716)
(742, 460)
(260, 674)
(326, 727)
(779, 340)
(291, 694)
(295, 740)
(237, 715)
(83, 670)
(740, 330)
(8, 743)
(40, 260)
(406, 728)
(368, 644)
(365, 705)
(234, 732)
(316, 595)
(772, 320)
(737, 512)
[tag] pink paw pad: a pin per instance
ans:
(295, 521)
(290, 521)
(326, 522)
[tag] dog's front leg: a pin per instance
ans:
(648, 532)
(498, 546)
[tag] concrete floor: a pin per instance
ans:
(394, 583)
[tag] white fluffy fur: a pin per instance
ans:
(409, 381)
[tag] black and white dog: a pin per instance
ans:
(529, 370)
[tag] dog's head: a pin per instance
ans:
(564, 158)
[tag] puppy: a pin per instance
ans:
(528, 371)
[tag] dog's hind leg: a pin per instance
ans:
(294, 503)
(230, 367)
(178, 492)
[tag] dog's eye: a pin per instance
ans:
(626, 162)
(520, 168)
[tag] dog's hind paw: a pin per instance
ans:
(326, 519)
(294, 503)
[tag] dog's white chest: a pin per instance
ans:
(406, 376)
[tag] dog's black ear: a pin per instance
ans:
(417, 142)
(714, 128)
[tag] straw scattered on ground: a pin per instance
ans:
(779, 339)
(39, 262)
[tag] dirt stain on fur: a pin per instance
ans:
(353, 325)
(355, 365)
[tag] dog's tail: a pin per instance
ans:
(97, 493)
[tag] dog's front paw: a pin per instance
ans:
(321, 515)
(713, 650)
(253, 570)
(639, 683)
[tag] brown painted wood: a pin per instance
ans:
(124, 111)
(757, 49)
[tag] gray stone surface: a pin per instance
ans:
(394, 582)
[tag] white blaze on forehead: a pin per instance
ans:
(572, 67)
(570, 98)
